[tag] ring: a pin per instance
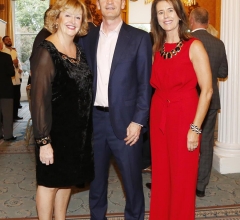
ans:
(43, 162)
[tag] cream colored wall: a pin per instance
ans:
(2, 28)
(139, 12)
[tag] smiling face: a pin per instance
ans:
(111, 9)
(167, 16)
(69, 21)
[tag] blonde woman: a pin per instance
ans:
(61, 102)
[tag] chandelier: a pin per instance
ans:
(189, 2)
(185, 2)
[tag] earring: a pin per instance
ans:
(56, 25)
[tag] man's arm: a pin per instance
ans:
(223, 69)
(140, 118)
(9, 65)
(144, 65)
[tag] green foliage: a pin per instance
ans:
(28, 22)
(29, 14)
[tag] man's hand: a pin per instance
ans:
(15, 63)
(46, 154)
(133, 132)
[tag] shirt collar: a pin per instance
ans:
(199, 29)
(116, 30)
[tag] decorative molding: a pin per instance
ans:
(227, 150)
(97, 17)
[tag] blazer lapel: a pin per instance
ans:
(121, 46)
(93, 51)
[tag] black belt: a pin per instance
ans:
(103, 109)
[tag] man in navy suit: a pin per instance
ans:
(120, 57)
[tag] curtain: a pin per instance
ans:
(6, 15)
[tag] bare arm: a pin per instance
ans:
(201, 65)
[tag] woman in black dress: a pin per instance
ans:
(61, 96)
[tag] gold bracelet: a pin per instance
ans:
(43, 141)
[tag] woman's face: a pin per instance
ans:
(69, 21)
(167, 16)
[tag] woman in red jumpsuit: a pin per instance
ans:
(180, 63)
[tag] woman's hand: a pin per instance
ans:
(46, 154)
(192, 140)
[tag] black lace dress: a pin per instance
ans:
(61, 94)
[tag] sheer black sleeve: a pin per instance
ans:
(42, 68)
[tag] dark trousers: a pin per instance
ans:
(20, 93)
(129, 161)
(16, 99)
(6, 112)
(146, 162)
(206, 149)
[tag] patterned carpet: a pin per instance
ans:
(18, 187)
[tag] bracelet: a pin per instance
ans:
(43, 141)
(195, 128)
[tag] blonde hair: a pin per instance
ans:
(62, 5)
(211, 30)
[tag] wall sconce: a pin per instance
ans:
(185, 2)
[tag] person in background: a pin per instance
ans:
(177, 112)
(90, 19)
(198, 22)
(42, 35)
(6, 97)
(120, 57)
(211, 30)
(16, 80)
(61, 96)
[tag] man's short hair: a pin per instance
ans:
(4, 37)
(200, 15)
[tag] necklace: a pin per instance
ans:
(170, 54)
(72, 60)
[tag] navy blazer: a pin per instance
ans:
(129, 90)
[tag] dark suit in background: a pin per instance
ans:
(129, 95)
(42, 35)
(219, 67)
(6, 95)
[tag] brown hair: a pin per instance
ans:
(159, 34)
(62, 5)
(200, 15)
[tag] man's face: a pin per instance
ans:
(111, 9)
(7, 41)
